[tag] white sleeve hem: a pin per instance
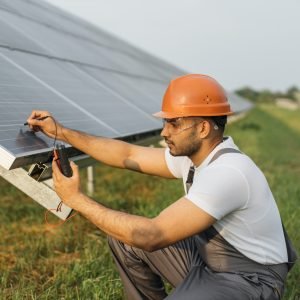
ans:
(170, 165)
(217, 214)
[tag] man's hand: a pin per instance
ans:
(67, 188)
(48, 125)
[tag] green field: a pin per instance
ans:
(73, 261)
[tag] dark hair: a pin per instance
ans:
(220, 121)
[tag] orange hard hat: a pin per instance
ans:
(194, 95)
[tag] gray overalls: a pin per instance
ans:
(203, 266)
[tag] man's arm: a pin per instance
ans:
(178, 221)
(109, 151)
(120, 154)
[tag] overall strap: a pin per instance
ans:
(223, 151)
(190, 177)
(291, 252)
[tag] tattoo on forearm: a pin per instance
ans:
(132, 165)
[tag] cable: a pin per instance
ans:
(60, 222)
(59, 206)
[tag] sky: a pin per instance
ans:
(241, 43)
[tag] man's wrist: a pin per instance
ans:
(61, 134)
(75, 201)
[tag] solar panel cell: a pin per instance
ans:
(12, 38)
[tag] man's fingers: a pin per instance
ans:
(55, 169)
(38, 114)
(35, 128)
(35, 115)
(34, 122)
(74, 168)
(57, 173)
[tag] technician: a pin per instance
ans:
(223, 239)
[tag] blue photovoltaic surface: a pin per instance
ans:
(88, 79)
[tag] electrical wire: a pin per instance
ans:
(59, 206)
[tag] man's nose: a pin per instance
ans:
(165, 131)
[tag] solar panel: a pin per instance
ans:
(49, 41)
(41, 12)
(90, 81)
(12, 38)
(75, 98)
(129, 88)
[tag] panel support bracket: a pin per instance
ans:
(41, 192)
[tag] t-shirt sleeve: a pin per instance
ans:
(219, 190)
(175, 164)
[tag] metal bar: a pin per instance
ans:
(39, 191)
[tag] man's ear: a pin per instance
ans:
(204, 129)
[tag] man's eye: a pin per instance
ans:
(174, 124)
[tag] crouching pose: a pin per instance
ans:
(222, 240)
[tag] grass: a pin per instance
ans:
(73, 261)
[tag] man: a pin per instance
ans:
(222, 240)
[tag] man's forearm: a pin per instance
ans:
(133, 230)
(110, 151)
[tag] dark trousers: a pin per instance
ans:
(204, 266)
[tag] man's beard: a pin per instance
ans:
(188, 148)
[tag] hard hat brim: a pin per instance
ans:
(172, 115)
(167, 115)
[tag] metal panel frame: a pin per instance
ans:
(41, 192)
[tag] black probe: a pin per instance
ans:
(40, 119)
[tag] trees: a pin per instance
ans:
(267, 95)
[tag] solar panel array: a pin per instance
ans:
(88, 79)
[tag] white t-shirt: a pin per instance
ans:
(234, 191)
